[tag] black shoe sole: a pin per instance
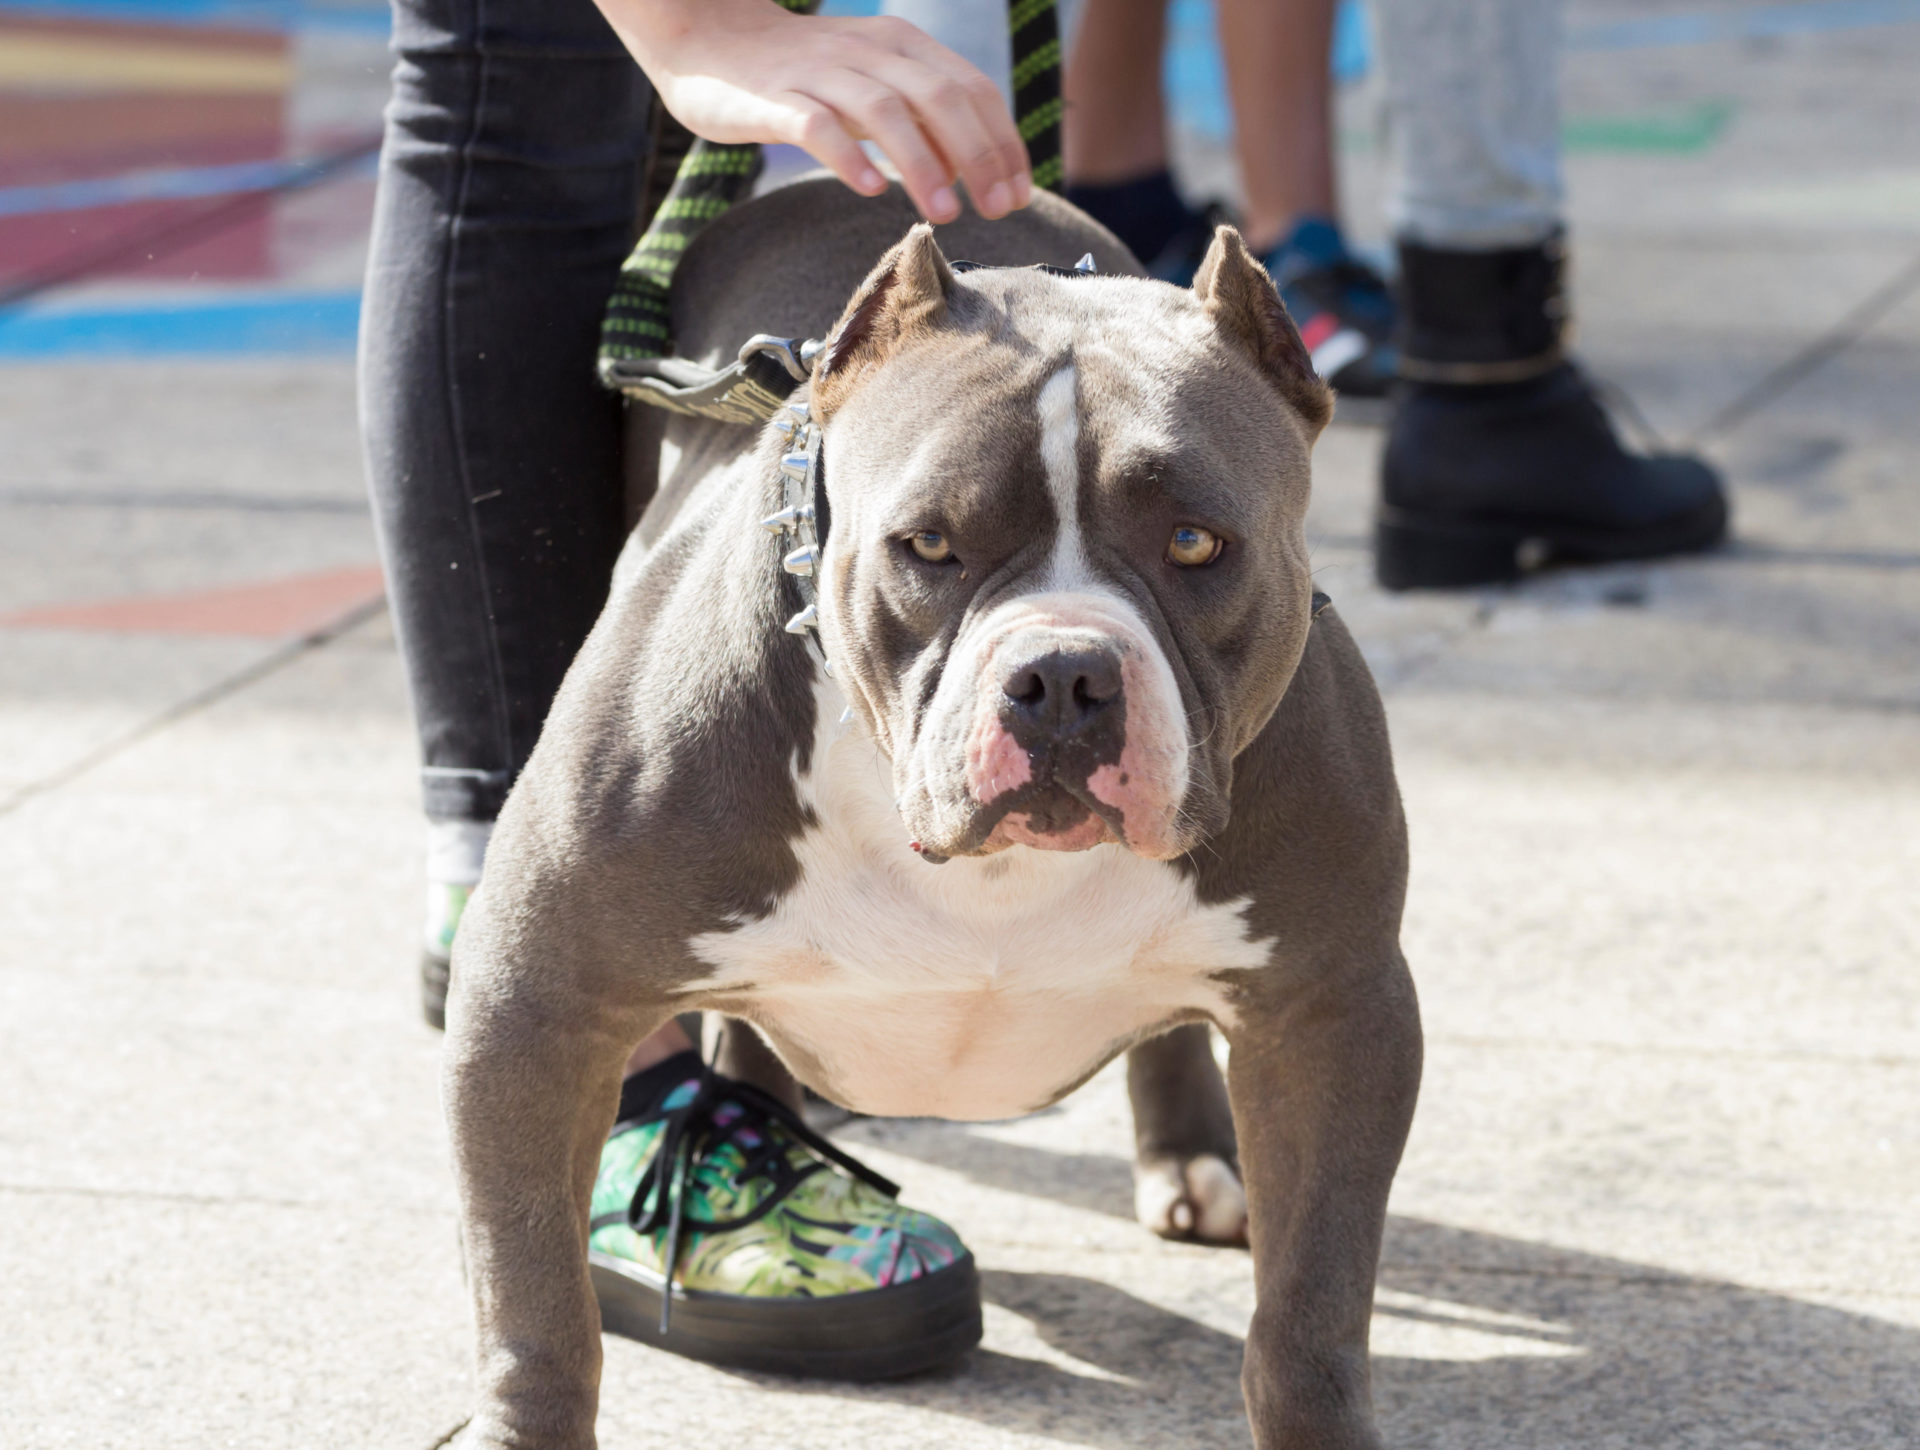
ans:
(1418, 550)
(434, 974)
(876, 1335)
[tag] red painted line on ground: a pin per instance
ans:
(274, 609)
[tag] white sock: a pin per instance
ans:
(456, 850)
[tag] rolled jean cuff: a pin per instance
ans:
(451, 794)
(1483, 229)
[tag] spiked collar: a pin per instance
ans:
(803, 517)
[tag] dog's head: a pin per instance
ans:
(1065, 581)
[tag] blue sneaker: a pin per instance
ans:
(1341, 305)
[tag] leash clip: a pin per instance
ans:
(796, 357)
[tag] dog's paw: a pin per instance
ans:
(1191, 1198)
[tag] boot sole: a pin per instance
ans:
(875, 1335)
(1415, 550)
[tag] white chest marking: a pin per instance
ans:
(980, 988)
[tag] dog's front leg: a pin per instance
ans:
(531, 1080)
(1324, 1071)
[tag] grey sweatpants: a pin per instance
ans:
(1473, 102)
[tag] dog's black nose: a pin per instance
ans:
(1060, 694)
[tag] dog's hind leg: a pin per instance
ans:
(1186, 1176)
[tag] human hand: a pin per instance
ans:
(747, 70)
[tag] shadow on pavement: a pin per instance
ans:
(1533, 1345)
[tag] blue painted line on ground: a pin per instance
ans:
(185, 183)
(366, 16)
(301, 323)
(1688, 27)
(1700, 27)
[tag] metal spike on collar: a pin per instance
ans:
(1085, 264)
(799, 484)
(788, 519)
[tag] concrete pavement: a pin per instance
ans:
(1664, 1186)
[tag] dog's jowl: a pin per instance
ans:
(1089, 768)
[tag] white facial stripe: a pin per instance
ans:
(1060, 453)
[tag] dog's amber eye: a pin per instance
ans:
(931, 546)
(1191, 547)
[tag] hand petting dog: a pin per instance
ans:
(737, 71)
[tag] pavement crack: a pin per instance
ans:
(1680, 1049)
(1758, 551)
(213, 501)
(1855, 324)
(228, 685)
(214, 1200)
(1657, 1279)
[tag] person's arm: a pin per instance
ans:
(746, 70)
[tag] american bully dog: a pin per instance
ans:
(1093, 768)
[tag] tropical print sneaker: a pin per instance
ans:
(783, 1253)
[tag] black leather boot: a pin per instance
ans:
(1499, 457)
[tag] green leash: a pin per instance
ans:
(1037, 107)
(636, 331)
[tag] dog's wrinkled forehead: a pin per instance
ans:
(966, 381)
(1007, 333)
(1232, 319)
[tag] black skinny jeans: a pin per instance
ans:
(509, 179)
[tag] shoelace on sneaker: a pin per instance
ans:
(692, 1130)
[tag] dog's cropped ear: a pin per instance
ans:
(1245, 305)
(904, 295)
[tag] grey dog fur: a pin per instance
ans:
(660, 805)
